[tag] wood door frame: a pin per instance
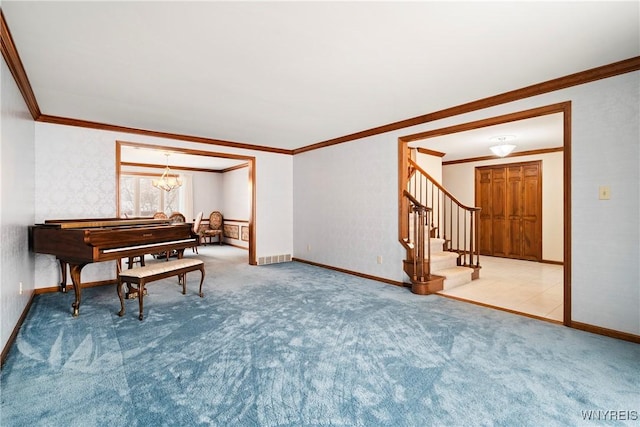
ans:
(562, 107)
(538, 163)
(251, 164)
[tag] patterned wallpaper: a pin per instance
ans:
(75, 178)
(16, 202)
(345, 207)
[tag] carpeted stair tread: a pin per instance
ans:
(454, 271)
(443, 260)
(436, 244)
(455, 276)
(444, 255)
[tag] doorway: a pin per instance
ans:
(232, 160)
(454, 133)
(510, 196)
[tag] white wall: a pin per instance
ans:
(207, 193)
(236, 202)
(605, 246)
(433, 166)
(236, 197)
(430, 164)
(274, 207)
(75, 178)
(346, 207)
(17, 167)
(346, 200)
(459, 179)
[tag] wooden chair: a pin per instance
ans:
(196, 229)
(215, 227)
(177, 217)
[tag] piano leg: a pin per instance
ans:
(181, 277)
(63, 280)
(75, 277)
(141, 290)
(119, 289)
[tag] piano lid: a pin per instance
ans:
(103, 222)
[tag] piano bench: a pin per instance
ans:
(161, 270)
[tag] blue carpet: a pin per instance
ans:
(296, 345)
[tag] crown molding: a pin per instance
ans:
(146, 174)
(13, 61)
(234, 156)
(157, 166)
(232, 168)
(518, 154)
(598, 73)
(45, 118)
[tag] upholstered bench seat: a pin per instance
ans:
(161, 270)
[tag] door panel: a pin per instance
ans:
(531, 217)
(499, 217)
(483, 191)
(514, 211)
(511, 200)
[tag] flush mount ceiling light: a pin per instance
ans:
(503, 148)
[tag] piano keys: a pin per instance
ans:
(78, 242)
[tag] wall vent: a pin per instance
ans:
(274, 259)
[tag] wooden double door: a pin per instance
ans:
(510, 221)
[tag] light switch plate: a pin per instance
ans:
(605, 192)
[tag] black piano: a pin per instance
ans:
(78, 242)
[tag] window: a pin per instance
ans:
(139, 198)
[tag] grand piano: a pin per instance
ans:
(78, 242)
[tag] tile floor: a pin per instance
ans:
(524, 286)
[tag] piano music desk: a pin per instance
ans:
(143, 275)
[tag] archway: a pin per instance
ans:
(237, 160)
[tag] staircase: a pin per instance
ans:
(445, 264)
(439, 234)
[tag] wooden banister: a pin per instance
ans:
(440, 187)
(435, 213)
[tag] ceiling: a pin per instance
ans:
(529, 134)
(291, 74)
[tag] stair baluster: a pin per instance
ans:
(429, 211)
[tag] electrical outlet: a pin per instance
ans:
(604, 192)
(20, 288)
(379, 259)
(308, 248)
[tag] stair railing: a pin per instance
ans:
(417, 241)
(450, 220)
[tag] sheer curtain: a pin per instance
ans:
(186, 197)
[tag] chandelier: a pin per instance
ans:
(167, 181)
(503, 148)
